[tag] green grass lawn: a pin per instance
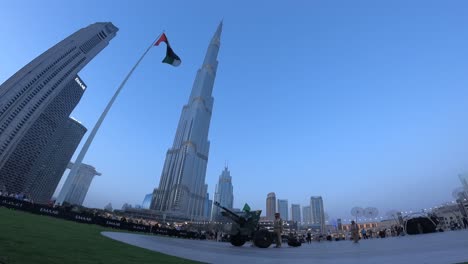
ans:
(34, 239)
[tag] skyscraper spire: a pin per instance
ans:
(217, 34)
(181, 190)
(208, 69)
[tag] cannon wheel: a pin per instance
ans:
(262, 239)
(237, 240)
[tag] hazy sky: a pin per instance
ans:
(362, 102)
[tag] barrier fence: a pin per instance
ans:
(87, 218)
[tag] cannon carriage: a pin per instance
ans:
(246, 227)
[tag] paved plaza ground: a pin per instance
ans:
(446, 247)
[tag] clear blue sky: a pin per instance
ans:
(362, 102)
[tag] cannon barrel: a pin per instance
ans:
(235, 217)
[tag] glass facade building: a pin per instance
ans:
(19, 173)
(37, 100)
(224, 194)
(283, 209)
(317, 212)
(182, 192)
(81, 183)
(147, 201)
(53, 161)
(271, 206)
(296, 212)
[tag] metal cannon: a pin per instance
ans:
(245, 227)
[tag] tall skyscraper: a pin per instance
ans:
(296, 212)
(271, 206)
(53, 161)
(208, 207)
(38, 99)
(224, 194)
(181, 187)
(306, 215)
(283, 209)
(317, 212)
(147, 201)
(18, 172)
(81, 183)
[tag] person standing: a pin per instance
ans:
(278, 228)
(465, 222)
(354, 231)
(364, 233)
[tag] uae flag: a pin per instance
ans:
(171, 58)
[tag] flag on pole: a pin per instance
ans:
(171, 58)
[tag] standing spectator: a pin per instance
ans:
(278, 228)
(354, 231)
(399, 230)
(382, 233)
(465, 222)
(309, 237)
(364, 233)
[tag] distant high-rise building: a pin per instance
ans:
(271, 206)
(38, 99)
(464, 181)
(208, 207)
(126, 206)
(147, 201)
(307, 215)
(296, 212)
(283, 209)
(181, 188)
(339, 224)
(317, 212)
(53, 160)
(203, 216)
(108, 207)
(224, 194)
(81, 183)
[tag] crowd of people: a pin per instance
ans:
(17, 196)
(94, 212)
(454, 225)
(305, 236)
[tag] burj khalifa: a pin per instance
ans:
(182, 190)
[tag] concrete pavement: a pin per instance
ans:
(446, 247)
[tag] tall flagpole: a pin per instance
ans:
(72, 175)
